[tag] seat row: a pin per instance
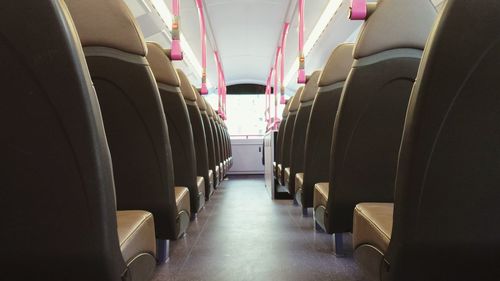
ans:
(395, 141)
(108, 150)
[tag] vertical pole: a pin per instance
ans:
(199, 5)
(301, 79)
(282, 69)
(176, 50)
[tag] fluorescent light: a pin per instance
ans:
(315, 34)
(189, 55)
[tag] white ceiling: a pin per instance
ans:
(246, 33)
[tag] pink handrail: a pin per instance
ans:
(221, 87)
(282, 69)
(276, 91)
(199, 5)
(301, 79)
(176, 50)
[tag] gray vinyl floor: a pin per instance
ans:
(243, 235)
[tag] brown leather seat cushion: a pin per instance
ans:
(200, 182)
(287, 175)
(136, 233)
(182, 199)
(299, 181)
(321, 194)
(373, 225)
(211, 176)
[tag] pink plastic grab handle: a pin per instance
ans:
(358, 10)
(204, 89)
(176, 51)
(302, 79)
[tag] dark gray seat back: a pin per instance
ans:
(200, 140)
(179, 125)
(202, 105)
(297, 145)
(131, 107)
(446, 207)
(323, 113)
(369, 125)
(281, 132)
(288, 131)
(57, 197)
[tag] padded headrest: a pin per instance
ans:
(161, 65)
(107, 23)
(396, 24)
(311, 87)
(200, 100)
(338, 66)
(295, 103)
(186, 87)
(286, 110)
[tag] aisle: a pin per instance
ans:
(243, 235)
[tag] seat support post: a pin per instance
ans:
(162, 251)
(338, 244)
(305, 212)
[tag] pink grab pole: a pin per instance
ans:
(282, 69)
(199, 5)
(301, 79)
(268, 97)
(176, 50)
(276, 92)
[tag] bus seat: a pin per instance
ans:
(217, 151)
(446, 211)
(298, 141)
(210, 142)
(59, 219)
(287, 136)
(180, 135)
(200, 140)
(320, 129)
(132, 111)
(371, 114)
(279, 142)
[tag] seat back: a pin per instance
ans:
(178, 122)
(200, 140)
(288, 131)
(281, 132)
(369, 126)
(133, 115)
(202, 105)
(297, 145)
(215, 133)
(446, 206)
(57, 197)
(323, 113)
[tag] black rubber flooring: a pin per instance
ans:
(243, 235)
